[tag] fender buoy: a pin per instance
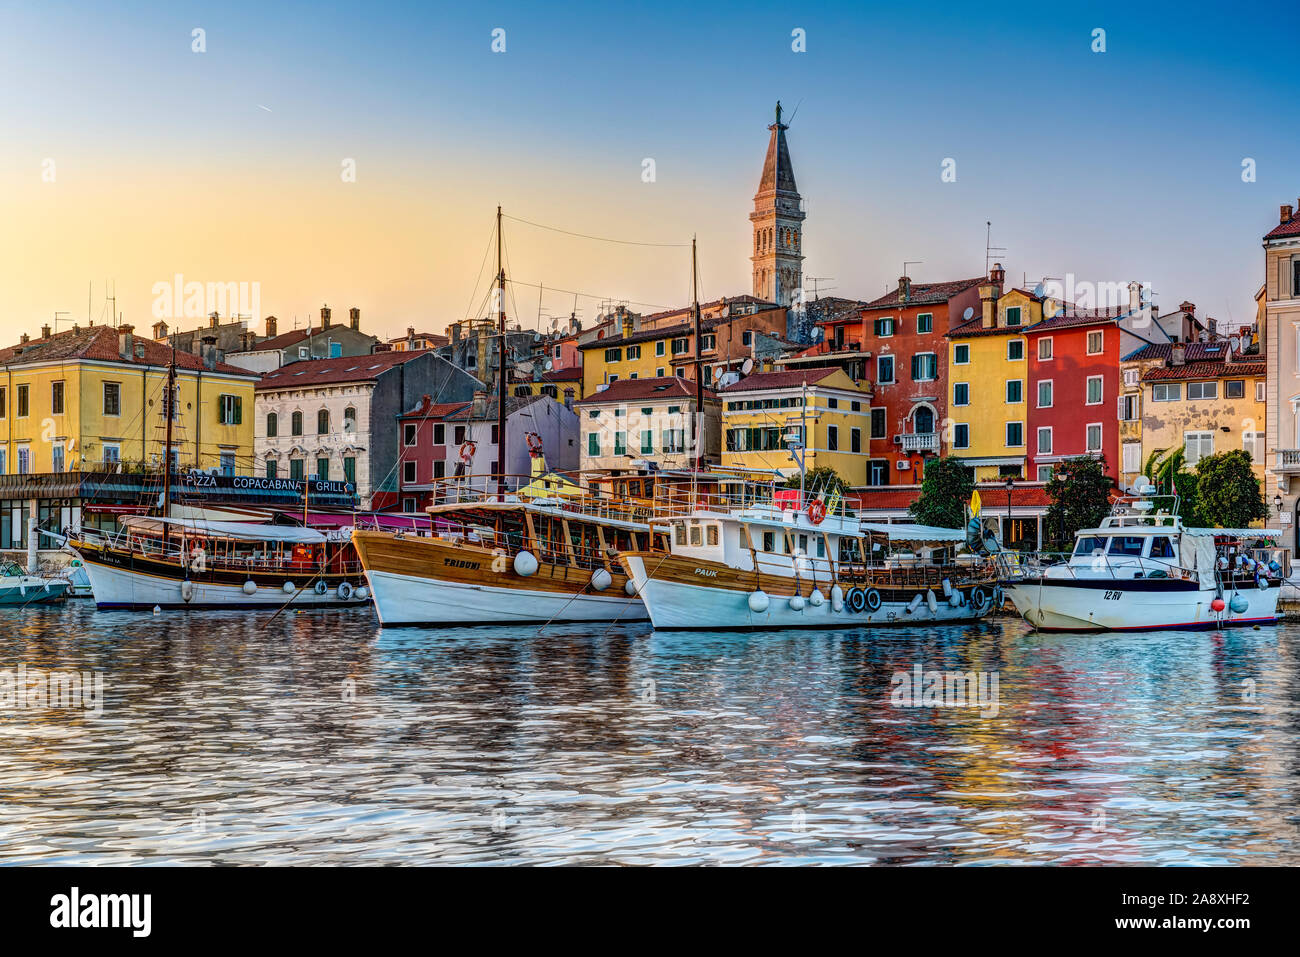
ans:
(856, 600)
(250, 587)
(363, 592)
(525, 563)
(187, 589)
(1238, 604)
(873, 600)
(1261, 583)
(796, 602)
(321, 588)
(915, 603)
(930, 601)
(288, 588)
(816, 511)
(1217, 605)
(979, 597)
(629, 586)
(816, 599)
(758, 602)
(947, 588)
(344, 591)
(601, 579)
(837, 598)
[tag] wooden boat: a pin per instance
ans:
(189, 563)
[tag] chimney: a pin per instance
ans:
(480, 404)
(410, 338)
(1178, 354)
(270, 327)
(125, 341)
(45, 331)
(324, 318)
(990, 293)
(1284, 214)
(1212, 325)
(24, 338)
(213, 320)
(1187, 307)
(160, 330)
(904, 289)
(208, 351)
(627, 327)
(568, 398)
(1135, 296)
(354, 319)
(454, 333)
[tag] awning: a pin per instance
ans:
(243, 531)
(903, 532)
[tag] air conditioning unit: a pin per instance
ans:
(902, 465)
(898, 440)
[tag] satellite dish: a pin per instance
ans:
(1236, 343)
(524, 367)
(1038, 290)
(747, 367)
(970, 311)
(537, 337)
(548, 365)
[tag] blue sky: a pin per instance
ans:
(1111, 166)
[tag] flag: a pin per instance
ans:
(975, 502)
(834, 502)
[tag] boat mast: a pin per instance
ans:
(169, 411)
(699, 370)
(501, 368)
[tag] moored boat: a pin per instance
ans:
(19, 588)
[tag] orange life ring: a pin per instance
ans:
(816, 511)
(466, 452)
(200, 543)
(534, 443)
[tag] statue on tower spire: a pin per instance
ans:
(778, 112)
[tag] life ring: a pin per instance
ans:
(979, 597)
(816, 511)
(856, 600)
(321, 588)
(873, 600)
(344, 591)
(466, 452)
(534, 443)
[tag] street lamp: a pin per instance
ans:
(1277, 504)
(1011, 483)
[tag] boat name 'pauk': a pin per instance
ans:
(103, 910)
(707, 572)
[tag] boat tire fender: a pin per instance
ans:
(856, 600)
(872, 598)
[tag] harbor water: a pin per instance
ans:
(228, 738)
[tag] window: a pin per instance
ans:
(659, 372)
(1045, 441)
(1045, 348)
(884, 370)
(925, 322)
(1259, 397)
(409, 504)
(878, 424)
(1161, 547)
(747, 337)
(2, 402)
(323, 470)
(1130, 378)
(832, 438)
(350, 470)
(349, 419)
(878, 474)
(112, 453)
(272, 424)
(960, 355)
(1131, 457)
(1015, 434)
(1198, 445)
(302, 352)
(408, 473)
(855, 440)
(1093, 437)
(1253, 445)
(613, 355)
(1045, 394)
(336, 350)
(271, 469)
(230, 409)
(112, 398)
(1015, 350)
(1015, 391)
(494, 437)
(855, 406)
(1045, 473)
(227, 463)
(680, 346)
(1295, 277)
(1094, 390)
(832, 403)
(883, 327)
(56, 451)
(322, 422)
(24, 460)
(1128, 410)
(925, 367)
(22, 401)
(458, 432)
(1202, 390)
(295, 469)
(659, 348)
(409, 430)
(1235, 389)
(1096, 342)
(1166, 392)
(1013, 315)
(961, 393)
(56, 398)
(295, 424)
(1126, 545)
(960, 435)
(634, 352)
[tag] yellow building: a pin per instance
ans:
(988, 382)
(761, 412)
(91, 398)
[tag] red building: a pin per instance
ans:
(902, 335)
(1073, 390)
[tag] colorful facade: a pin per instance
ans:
(634, 425)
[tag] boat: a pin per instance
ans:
(778, 558)
(191, 563)
(1142, 569)
(19, 588)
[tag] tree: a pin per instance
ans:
(821, 479)
(1080, 498)
(945, 490)
(1227, 491)
(1165, 469)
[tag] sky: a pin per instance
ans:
(128, 157)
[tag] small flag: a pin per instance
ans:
(975, 502)
(834, 502)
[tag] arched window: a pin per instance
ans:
(923, 420)
(272, 425)
(349, 419)
(322, 422)
(296, 423)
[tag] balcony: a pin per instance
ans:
(921, 442)
(1287, 461)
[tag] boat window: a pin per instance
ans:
(803, 544)
(680, 534)
(1127, 545)
(713, 534)
(696, 537)
(769, 541)
(821, 548)
(1161, 547)
(1090, 544)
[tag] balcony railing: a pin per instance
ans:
(921, 442)
(1288, 460)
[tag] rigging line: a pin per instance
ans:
(486, 252)
(599, 239)
(588, 295)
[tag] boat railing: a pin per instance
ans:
(1036, 565)
(183, 553)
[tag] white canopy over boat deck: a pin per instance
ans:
(242, 531)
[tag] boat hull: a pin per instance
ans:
(1111, 605)
(35, 592)
(677, 604)
(428, 581)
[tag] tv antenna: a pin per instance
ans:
(912, 262)
(815, 280)
(990, 250)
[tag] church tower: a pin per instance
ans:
(778, 224)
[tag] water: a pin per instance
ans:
(316, 739)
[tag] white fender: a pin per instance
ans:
(914, 604)
(758, 601)
(250, 587)
(796, 602)
(363, 592)
(288, 588)
(930, 601)
(837, 599)
(947, 588)
(187, 590)
(525, 563)
(601, 579)
(157, 610)
(344, 591)
(816, 599)
(629, 586)
(954, 600)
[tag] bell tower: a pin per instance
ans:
(778, 224)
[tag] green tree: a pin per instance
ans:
(822, 479)
(945, 490)
(1227, 491)
(1165, 468)
(1079, 491)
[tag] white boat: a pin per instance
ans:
(1143, 570)
(779, 561)
(19, 588)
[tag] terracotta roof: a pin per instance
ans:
(969, 330)
(1195, 352)
(1071, 320)
(994, 495)
(668, 332)
(426, 407)
(1206, 370)
(785, 379)
(513, 404)
(1282, 230)
(571, 374)
(629, 390)
(924, 293)
(887, 497)
(313, 372)
(285, 339)
(727, 300)
(100, 343)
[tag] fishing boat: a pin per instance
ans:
(191, 563)
(777, 558)
(1142, 569)
(19, 588)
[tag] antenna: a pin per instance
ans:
(815, 280)
(989, 250)
(912, 262)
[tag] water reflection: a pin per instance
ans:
(317, 739)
